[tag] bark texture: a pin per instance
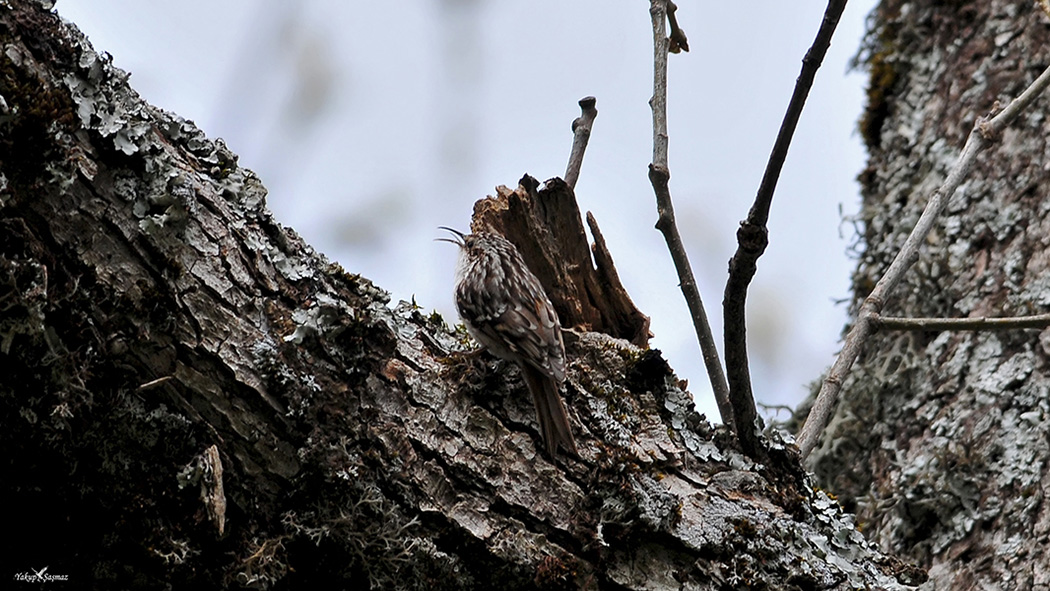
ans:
(941, 443)
(544, 222)
(192, 397)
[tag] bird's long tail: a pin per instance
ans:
(550, 411)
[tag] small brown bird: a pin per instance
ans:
(505, 308)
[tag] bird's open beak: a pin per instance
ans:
(458, 240)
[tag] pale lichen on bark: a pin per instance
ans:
(161, 310)
(939, 442)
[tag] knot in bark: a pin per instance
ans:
(752, 238)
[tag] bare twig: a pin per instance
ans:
(752, 239)
(659, 177)
(155, 382)
(986, 130)
(677, 42)
(943, 324)
(774, 410)
(581, 134)
(810, 64)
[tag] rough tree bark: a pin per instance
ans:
(940, 443)
(191, 396)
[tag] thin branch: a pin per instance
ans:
(752, 238)
(581, 134)
(658, 103)
(942, 324)
(984, 132)
(659, 176)
(810, 64)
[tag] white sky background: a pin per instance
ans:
(371, 126)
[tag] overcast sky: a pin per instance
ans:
(371, 126)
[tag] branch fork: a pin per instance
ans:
(985, 130)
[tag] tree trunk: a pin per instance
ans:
(940, 443)
(192, 396)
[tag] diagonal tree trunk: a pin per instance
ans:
(191, 396)
(940, 443)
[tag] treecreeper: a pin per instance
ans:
(504, 307)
